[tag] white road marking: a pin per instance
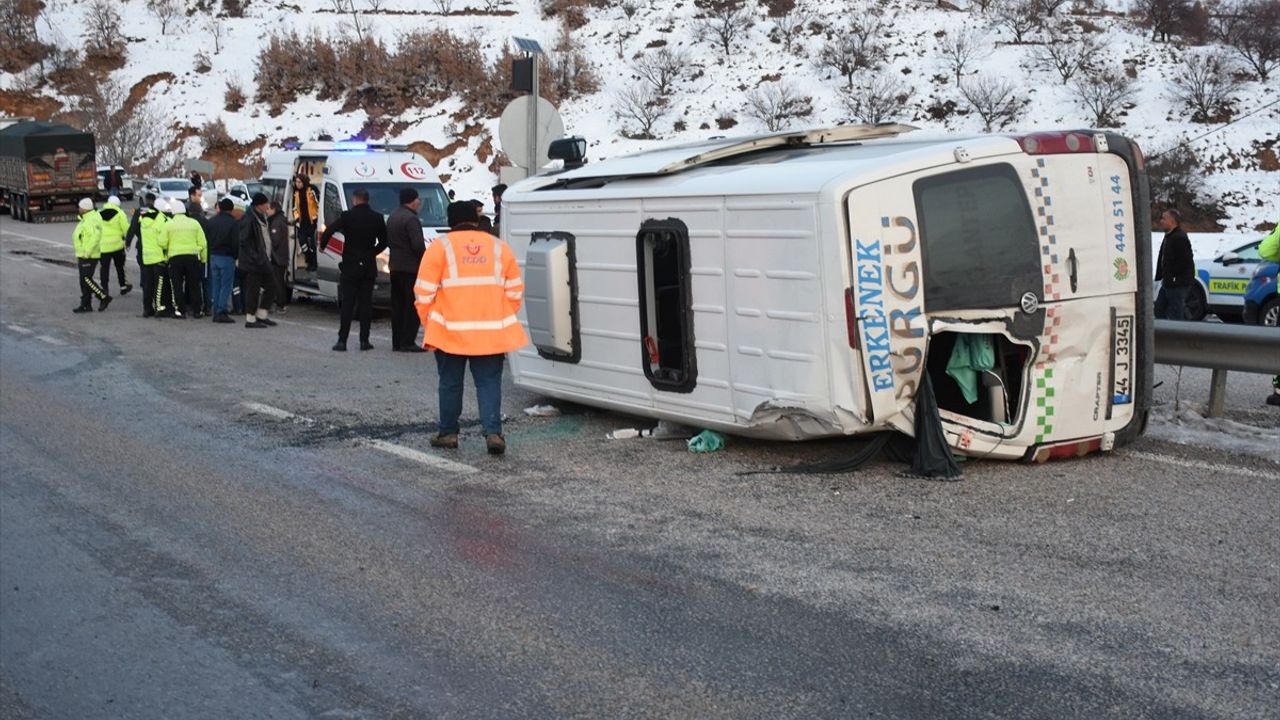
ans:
(33, 238)
(1183, 462)
(19, 329)
(50, 340)
(275, 412)
(434, 461)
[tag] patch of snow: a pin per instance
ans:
(1189, 426)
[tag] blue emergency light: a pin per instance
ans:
(351, 145)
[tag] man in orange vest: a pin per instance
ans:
(467, 294)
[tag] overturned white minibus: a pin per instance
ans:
(801, 285)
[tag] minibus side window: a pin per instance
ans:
(332, 203)
(978, 239)
(666, 305)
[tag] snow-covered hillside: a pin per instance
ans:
(711, 91)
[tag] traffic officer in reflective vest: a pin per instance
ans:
(467, 294)
(87, 240)
(157, 292)
(115, 225)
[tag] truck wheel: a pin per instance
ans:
(1270, 313)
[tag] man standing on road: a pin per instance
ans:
(187, 250)
(114, 228)
(1175, 269)
(497, 208)
(278, 228)
(87, 240)
(467, 295)
(224, 241)
(157, 292)
(364, 237)
(255, 260)
(306, 209)
(404, 235)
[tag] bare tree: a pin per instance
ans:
(356, 21)
(994, 100)
(791, 22)
(20, 44)
(640, 104)
(1103, 93)
(962, 47)
(100, 22)
(1020, 17)
(1162, 16)
(165, 11)
(1206, 84)
(661, 68)
(854, 47)
(722, 22)
(1066, 56)
(629, 8)
(444, 6)
(138, 136)
(876, 99)
(1251, 28)
(776, 104)
(216, 32)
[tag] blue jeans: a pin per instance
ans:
(486, 372)
(222, 273)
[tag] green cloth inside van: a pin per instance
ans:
(972, 354)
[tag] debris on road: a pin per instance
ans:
(542, 411)
(628, 433)
(706, 441)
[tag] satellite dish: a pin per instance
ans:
(513, 130)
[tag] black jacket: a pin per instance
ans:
(364, 233)
(1175, 267)
(255, 243)
(404, 235)
(135, 231)
(223, 234)
(279, 229)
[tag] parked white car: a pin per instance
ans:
(169, 188)
(1222, 281)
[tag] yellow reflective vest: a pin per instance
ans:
(115, 225)
(87, 237)
(151, 226)
(183, 236)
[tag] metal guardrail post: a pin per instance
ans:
(1217, 393)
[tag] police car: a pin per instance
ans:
(1221, 283)
(1261, 300)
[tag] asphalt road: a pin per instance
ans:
(202, 521)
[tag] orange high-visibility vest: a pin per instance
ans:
(467, 294)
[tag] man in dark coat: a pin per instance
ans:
(404, 235)
(364, 237)
(1175, 269)
(223, 233)
(255, 260)
(279, 228)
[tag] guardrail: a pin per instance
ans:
(1243, 348)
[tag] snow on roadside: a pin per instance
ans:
(1188, 426)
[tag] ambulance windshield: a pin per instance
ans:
(385, 197)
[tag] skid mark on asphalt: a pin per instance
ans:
(400, 451)
(1183, 462)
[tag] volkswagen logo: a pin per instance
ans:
(1030, 303)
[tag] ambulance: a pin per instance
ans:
(337, 170)
(803, 284)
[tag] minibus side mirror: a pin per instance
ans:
(572, 150)
(1229, 258)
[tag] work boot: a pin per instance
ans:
(447, 440)
(82, 309)
(495, 443)
(340, 346)
(366, 345)
(103, 303)
(125, 290)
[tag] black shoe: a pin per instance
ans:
(366, 345)
(82, 309)
(198, 314)
(125, 290)
(254, 325)
(148, 313)
(103, 303)
(410, 349)
(176, 314)
(268, 322)
(1273, 399)
(340, 346)
(223, 318)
